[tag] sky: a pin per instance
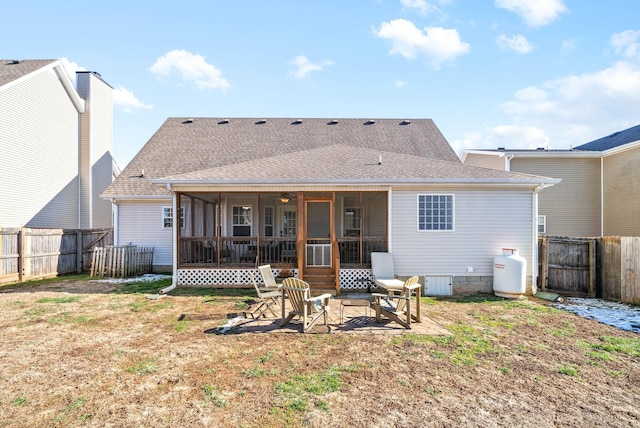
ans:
(490, 73)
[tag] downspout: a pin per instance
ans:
(174, 242)
(507, 162)
(115, 210)
(389, 221)
(534, 245)
(601, 195)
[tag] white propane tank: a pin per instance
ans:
(509, 274)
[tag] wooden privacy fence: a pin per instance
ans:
(606, 267)
(121, 261)
(28, 253)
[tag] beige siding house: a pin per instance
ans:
(215, 197)
(56, 145)
(599, 194)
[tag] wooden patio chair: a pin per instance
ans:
(267, 276)
(268, 297)
(309, 309)
(397, 307)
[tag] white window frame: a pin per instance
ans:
(542, 221)
(243, 207)
(269, 220)
(421, 223)
(167, 217)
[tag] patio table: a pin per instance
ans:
(361, 302)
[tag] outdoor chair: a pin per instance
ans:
(384, 274)
(267, 276)
(309, 309)
(397, 307)
(268, 297)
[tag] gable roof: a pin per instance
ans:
(290, 150)
(11, 70)
(340, 163)
(614, 140)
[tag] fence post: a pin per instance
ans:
(21, 258)
(592, 268)
(544, 263)
(79, 255)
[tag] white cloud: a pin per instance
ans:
(627, 43)
(565, 112)
(536, 13)
(71, 68)
(192, 68)
(517, 43)
(437, 44)
(125, 99)
(304, 66)
(399, 84)
(423, 7)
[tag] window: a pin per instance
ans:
(242, 221)
(435, 212)
(268, 221)
(167, 217)
(352, 221)
(542, 224)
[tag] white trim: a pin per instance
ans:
(453, 212)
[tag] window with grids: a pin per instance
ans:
(542, 224)
(435, 212)
(167, 217)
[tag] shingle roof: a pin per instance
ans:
(11, 70)
(313, 149)
(616, 139)
(344, 163)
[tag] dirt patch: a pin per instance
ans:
(88, 354)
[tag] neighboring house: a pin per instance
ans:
(56, 146)
(600, 190)
(216, 196)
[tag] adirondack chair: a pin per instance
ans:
(309, 309)
(397, 307)
(268, 297)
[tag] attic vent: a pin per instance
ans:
(332, 122)
(370, 122)
(501, 149)
(15, 61)
(223, 122)
(187, 121)
(261, 122)
(405, 122)
(296, 122)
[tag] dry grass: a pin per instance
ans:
(79, 353)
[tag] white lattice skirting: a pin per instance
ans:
(350, 279)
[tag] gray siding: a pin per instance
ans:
(39, 146)
(141, 224)
(485, 222)
(572, 207)
(622, 194)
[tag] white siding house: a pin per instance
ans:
(56, 146)
(318, 196)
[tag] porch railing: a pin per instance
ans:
(245, 251)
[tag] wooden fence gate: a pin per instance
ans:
(567, 265)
